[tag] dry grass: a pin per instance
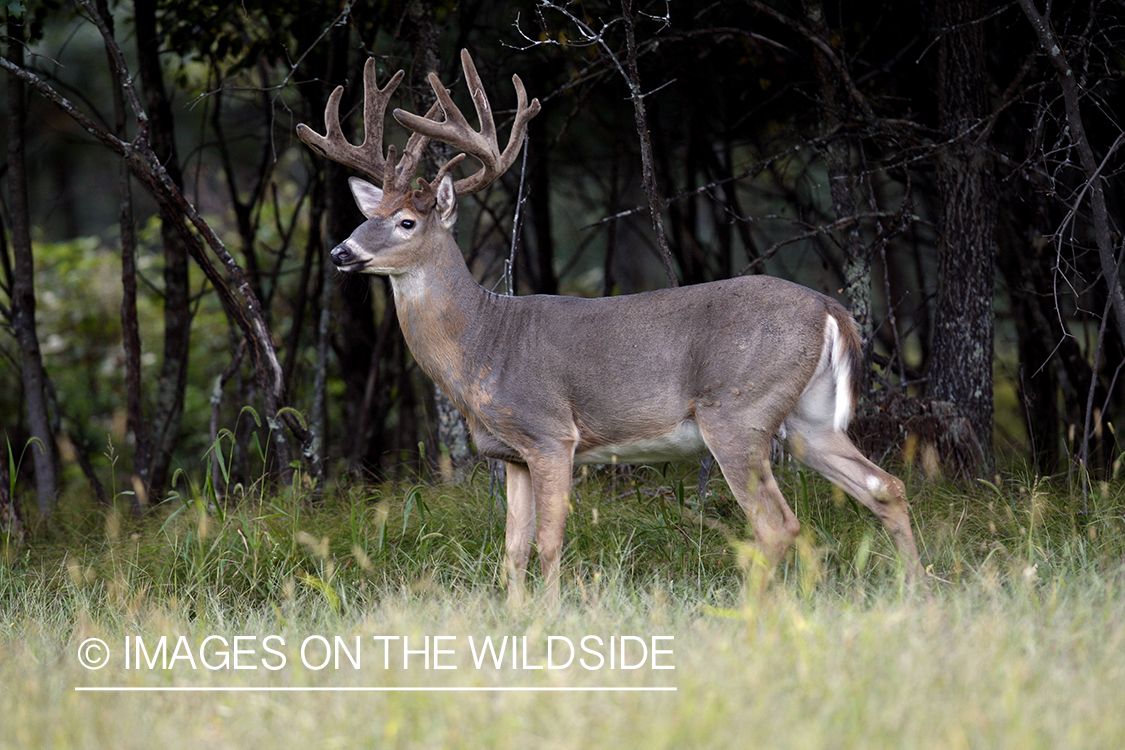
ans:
(1022, 647)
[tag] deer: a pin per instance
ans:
(549, 382)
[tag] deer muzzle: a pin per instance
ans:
(344, 258)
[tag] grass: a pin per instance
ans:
(1020, 645)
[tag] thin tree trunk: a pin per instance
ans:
(540, 199)
(353, 316)
(23, 286)
(648, 170)
(168, 412)
(130, 325)
(1027, 275)
(318, 413)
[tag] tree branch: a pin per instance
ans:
(1090, 166)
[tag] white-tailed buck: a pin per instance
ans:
(546, 382)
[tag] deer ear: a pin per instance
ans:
(446, 201)
(367, 196)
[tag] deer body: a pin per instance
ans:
(547, 382)
(580, 361)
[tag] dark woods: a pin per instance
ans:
(949, 169)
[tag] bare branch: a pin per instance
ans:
(1090, 166)
(629, 71)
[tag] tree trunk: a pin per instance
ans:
(130, 325)
(23, 287)
(539, 198)
(837, 107)
(961, 368)
(1027, 274)
(455, 456)
(168, 412)
(354, 318)
(648, 169)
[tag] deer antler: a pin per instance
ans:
(456, 131)
(368, 157)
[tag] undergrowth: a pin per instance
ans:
(351, 544)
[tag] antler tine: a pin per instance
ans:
(426, 196)
(367, 157)
(456, 131)
(412, 154)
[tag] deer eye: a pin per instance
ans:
(407, 223)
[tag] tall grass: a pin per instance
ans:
(1020, 644)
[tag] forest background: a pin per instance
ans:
(950, 170)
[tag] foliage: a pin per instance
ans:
(744, 137)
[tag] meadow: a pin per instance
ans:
(375, 617)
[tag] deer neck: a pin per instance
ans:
(440, 306)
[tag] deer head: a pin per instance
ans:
(403, 222)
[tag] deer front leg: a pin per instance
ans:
(551, 477)
(518, 529)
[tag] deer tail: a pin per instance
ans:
(841, 338)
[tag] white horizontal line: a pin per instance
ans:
(267, 689)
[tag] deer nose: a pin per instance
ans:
(342, 255)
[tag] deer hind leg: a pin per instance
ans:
(746, 467)
(519, 529)
(831, 453)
